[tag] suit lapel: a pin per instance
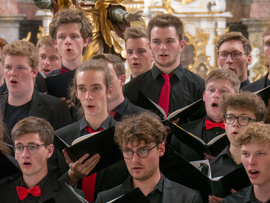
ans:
(36, 105)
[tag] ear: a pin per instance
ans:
(122, 80)
(182, 45)
(86, 42)
(161, 149)
(249, 59)
(109, 92)
(204, 96)
(50, 149)
(55, 43)
(35, 72)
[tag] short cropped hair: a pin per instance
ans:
(234, 36)
(3, 42)
(116, 61)
(266, 32)
(258, 133)
(45, 41)
(135, 32)
(224, 74)
(22, 48)
(143, 127)
(245, 101)
(67, 16)
(166, 20)
(33, 124)
(92, 64)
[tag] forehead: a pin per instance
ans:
(69, 28)
(17, 60)
(135, 144)
(231, 45)
(255, 147)
(219, 83)
(137, 42)
(91, 77)
(163, 32)
(240, 112)
(27, 138)
(266, 38)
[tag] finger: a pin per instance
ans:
(90, 164)
(68, 160)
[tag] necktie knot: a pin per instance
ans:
(90, 130)
(166, 77)
(23, 192)
(210, 124)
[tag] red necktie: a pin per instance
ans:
(63, 70)
(88, 183)
(164, 97)
(210, 124)
(113, 113)
(23, 192)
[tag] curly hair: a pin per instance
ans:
(257, 133)
(67, 16)
(245, 101)
(143, 127)
(22, 48)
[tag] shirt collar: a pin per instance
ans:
(105, 125)
(128, 184)
(40, 183)
(121, 107)
(178, 72)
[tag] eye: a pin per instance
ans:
(129, 52)
(156, 41)
(243, 118)
(32, 147)
(42, 56)
(19, 148)
(141, 51)
(260, 153)
(223, 54)
(20, 67)
(236, 54)
(169, 41)
(81, 89)
(244, 154)
(267, 44)
(8, 67)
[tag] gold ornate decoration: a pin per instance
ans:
(201, 65)
(28, 37)
(185, 1)
(40, 32)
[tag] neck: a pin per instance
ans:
(216, 119)
(96, 121)
(18, 100)
(235, 152)
(243, 78)
(114, 102)
(261, 192)
(148, 185)
(33, 180)
(167, 70)
(72, 65)
(1, 81)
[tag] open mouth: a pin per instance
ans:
(253, 173)
(214, 104)
(234, 133)
(13, 81)
(27, 163)
(46, 70)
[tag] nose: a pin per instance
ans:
(163, 46)
(135, 158)
(25, 152)
(134, 55)
(45, 61)
(216, 94)
(13, 72)
(235, 123)
(67, 40)
(251, 160)
(88, 96)
(229, 59)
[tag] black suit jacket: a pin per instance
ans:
(52, 189)
(105, 179)
(257, 85)
(172, 192)
(53, 109)
(127, 108)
